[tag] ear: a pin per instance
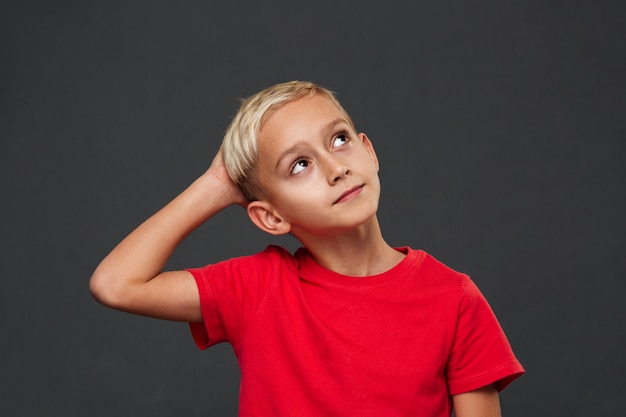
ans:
(367, 143)
(267, 219)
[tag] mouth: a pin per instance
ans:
(349, 194)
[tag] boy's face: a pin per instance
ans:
(320, 175)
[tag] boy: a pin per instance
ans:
(348, 325)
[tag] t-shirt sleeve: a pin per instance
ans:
(230, 293)
(481, 354)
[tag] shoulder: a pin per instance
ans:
(432, 270)
(271, 258)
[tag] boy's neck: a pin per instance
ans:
(360, 252)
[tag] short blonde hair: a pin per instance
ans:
(240, 144)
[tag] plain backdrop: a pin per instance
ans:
(500, 130)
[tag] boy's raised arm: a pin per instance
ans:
(130, 278)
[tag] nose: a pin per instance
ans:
(337, 170)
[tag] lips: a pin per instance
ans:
(349, 194)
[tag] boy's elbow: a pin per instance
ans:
(105, 291)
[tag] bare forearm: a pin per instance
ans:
(119, 279)
(142, 254)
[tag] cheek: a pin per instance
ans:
(294, 202)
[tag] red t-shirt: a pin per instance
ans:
(311, 342)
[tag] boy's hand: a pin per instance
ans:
(231, 191)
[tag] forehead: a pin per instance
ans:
(300, 119)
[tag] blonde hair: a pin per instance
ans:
(240, 144)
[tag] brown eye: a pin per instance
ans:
(299, 166)
(340, 140)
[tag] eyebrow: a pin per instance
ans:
(296, 146)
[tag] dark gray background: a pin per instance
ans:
(500, 130)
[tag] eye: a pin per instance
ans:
(300, 165)
(340, 139)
